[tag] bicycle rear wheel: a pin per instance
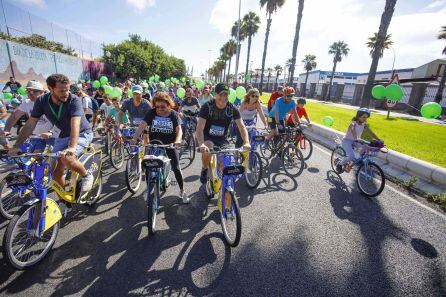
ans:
(266, 149)
(133, 175)
(189, 149)
(231, 222)
(253, 174)
(10, 201)
(152, 205)
(116, 154)
(305, 145)
(370, 179)
(336, 157)
(292, 161)
(21, 246)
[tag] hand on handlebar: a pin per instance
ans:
(246, 147)
(14, 152)
(4, 133)
(204, 148)
(177, 144)
(46, 135)
(132, 142)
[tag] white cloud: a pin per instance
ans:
(436, 4)
(141, 4)
(414, 35)
(35, 3)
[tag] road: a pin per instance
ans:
(313, 236)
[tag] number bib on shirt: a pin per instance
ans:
(162, 125)
(216, 131)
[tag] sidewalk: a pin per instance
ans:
(383, 112)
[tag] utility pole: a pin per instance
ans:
(238, 39)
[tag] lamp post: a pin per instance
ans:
(108, 55)
(238, 39)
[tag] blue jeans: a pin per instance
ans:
(40, 143)
(83, 142)
(348, 145)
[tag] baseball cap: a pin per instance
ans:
(34, 85)
(222, 88)
(206, 88)
(137, 89)
(15, 101)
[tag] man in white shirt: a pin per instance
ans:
(43, 129)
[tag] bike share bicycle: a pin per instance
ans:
(254, 165)
(190, 144)
(369, 176)
(31, 233)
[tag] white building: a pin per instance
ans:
(386, 75)
(319, 76)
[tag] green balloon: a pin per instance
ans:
(248, 76)
(103, 80)
(232, 95)
(241, 92)
(328, 121)
(379, 92)
(431, 110)
(394, 92)
(108, 90)
(163, 85)
(199, 84)
(96, 84)
(7, 96)
(117, 92)
(181, 92)
(129, 93)
(22, 91)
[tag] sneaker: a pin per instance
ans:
(87, 182)
(185, 197)
(204, 175)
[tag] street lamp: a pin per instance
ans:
(108, 55)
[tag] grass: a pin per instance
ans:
(421, 140)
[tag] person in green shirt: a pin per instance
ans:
(114, 112)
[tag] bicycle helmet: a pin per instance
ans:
(302, 101)
(15, 101)
(362, 111)
(289, 91)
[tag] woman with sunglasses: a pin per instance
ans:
(206, 96)
(164, 126)
(249, 109)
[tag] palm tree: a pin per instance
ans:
(309, 64)
(338, 49)
(278, 70)
(386, 17)
(269, 70)
(296, 40)
(271, 7)
(230, 49)
(243, 35)
(250, 25)
(288, 67)
(225, 58)
(439, 94)
(371, 43)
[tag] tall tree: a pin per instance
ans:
(269, 70)
(296, 40)
(371, 43)
(250, 25)
(230, 49)
(338, 50)
(386, 17)
(439, 94)
(309, 64)
(278, 70)
(287, 67)
(271, 7)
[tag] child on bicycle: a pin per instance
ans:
(354, 133)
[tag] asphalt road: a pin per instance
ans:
(313, 236)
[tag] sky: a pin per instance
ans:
(195, 30)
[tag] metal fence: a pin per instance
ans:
(17, 22)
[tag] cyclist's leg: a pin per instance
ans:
(205, 161)
(272, 126)
(347, 145)
(175, 164)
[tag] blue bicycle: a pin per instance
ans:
(226, 168)
(157, 168)
(254, 166)
(370, 178)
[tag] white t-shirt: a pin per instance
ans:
(106, 108)
(43, 125)
(86, 104)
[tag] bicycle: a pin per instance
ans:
(367, 172)
(283, 146)
(304, 144)
(133, 169)
(225, 170)
(254, 166)
(116, 146)
(32, 231)
(156, 164)
(190, 143)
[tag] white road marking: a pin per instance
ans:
(443, 216)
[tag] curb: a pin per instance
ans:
(407, 165)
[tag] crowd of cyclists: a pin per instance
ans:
(65, 116)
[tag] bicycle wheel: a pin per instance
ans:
(266, 149)
(231, 222)
(336, 156)
(10, 201)
(21, 247)
(107, 142)
(253, 174)
(370, 179)
(94, 195)
(188, 150)
(116, 154)
(292, 161)
(152, 205)
(305, 146)
(133, 174)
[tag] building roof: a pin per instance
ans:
(390, 71)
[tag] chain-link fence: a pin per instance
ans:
(17, 22)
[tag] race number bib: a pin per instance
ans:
(137, 120)
(162, 125)
(216, 131)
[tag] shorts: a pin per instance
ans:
(272, 123)
(83, 142)
(221, 142)
(40, 143)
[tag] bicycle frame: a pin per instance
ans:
(155, 173)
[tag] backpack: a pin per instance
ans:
(94, 105)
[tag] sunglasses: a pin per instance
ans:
(32, 92)
(290, 96)
(160, 106)
(255, 96)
